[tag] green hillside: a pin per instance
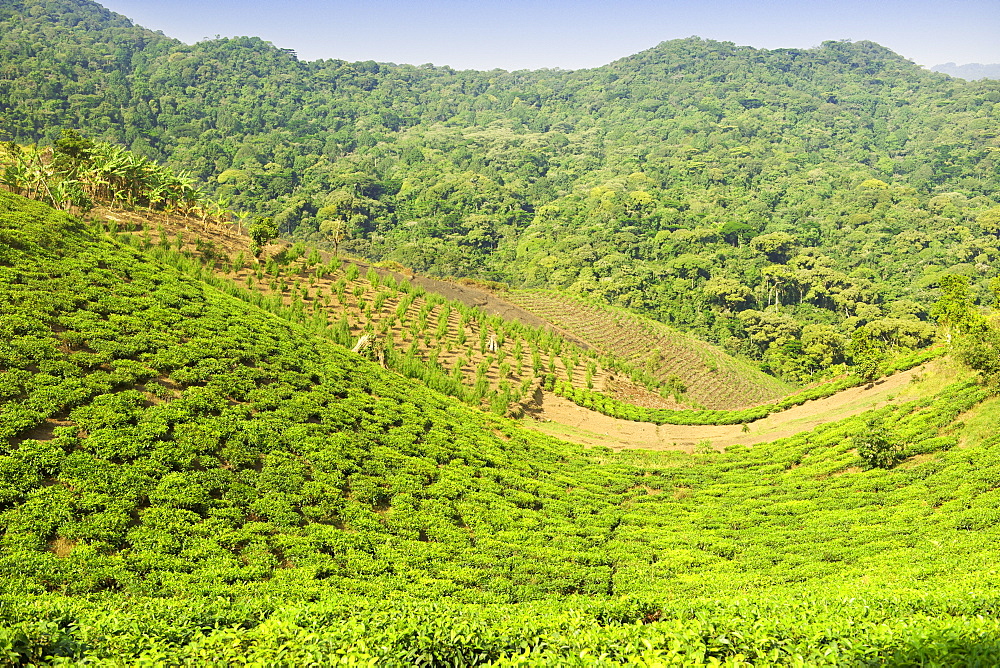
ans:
(195, 469)
(189, 479)
(771, 201)
(460, 347)
(165, 436)
(693, 371)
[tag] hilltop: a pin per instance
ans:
(772, 202)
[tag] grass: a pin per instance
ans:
(979, 425)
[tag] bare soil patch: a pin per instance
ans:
(561, 418)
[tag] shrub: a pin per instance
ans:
(877, 446)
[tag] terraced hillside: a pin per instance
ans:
(187, 479)
(711, 377)
(161, 436)
(457, 343)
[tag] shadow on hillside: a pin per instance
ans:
(944, 650)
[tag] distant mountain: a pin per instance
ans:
(740, 194)
(970, 71)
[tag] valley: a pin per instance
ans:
(689, 359)
(561, 418)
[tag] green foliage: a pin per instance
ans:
(954, 309)
(602, 403)
(768, 178)
(226, 485)
(187, 478)
(869, 354)
(79, 173)
(263, 231)
(771, 630)
(877, 446)
(980, 349)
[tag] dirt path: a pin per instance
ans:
(563, 419)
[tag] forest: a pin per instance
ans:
(239, 427)
(768, 201)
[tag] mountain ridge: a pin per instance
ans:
(766, 201)
(970, 71)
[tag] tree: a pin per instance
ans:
(953, 310)
(989, 220)
(72, 150)
(333, 230)
(727, 292)
(980, 350)
(868, 354)
(877, 446)
(777, 246)
(733, 232)
(261, 232)
(822, 345)
(769, 328)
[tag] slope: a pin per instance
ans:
(693, 370)
(449, 329)
(162, 436)
(186, 477)
(559, 417)
(769, 201)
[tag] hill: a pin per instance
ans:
(196, 469)
(770, 201)
(971, 71)
(464, 338)
(687, 369)
(166, 437)
(186, 475)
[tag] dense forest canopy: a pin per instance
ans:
(772, 201)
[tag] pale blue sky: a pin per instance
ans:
(518, 34)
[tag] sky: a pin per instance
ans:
(568, 34)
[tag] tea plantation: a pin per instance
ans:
(188, 480)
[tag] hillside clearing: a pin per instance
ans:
(563, 419)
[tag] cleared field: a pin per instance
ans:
(448, 335)
(563, 419)
(712, 378)
(489, 348)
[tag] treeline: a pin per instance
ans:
(771, 201)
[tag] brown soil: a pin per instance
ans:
(712, 378)
(561, 418)
(490, 302)
(61, 547)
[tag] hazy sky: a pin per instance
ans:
(518, 34)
